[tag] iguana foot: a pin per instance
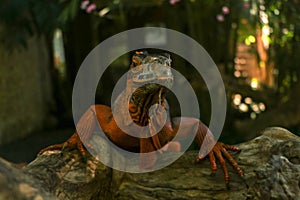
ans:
(220, 151)
(74, 142)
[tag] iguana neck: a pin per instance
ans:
(141, 101)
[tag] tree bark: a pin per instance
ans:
(271, 164)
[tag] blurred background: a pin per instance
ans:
(254, 43)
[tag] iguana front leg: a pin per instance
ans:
(205, 139)
(85, 128)
(73, 142)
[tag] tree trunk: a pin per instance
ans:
(270, 162)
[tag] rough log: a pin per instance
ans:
(271, 163)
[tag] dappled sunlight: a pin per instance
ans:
(247, 105)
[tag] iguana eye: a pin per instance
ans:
(138, 58)
(136, 61)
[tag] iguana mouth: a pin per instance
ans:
(152, 73)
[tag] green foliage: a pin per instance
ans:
(70, 10)
(23, 18)
(14, 21)
(45, 14)
(284, 20)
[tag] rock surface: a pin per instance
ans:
(271, 163)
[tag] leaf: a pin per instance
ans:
(69, 12)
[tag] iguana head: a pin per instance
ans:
(148, 79)
(151, 68)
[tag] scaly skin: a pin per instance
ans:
(138, 108)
